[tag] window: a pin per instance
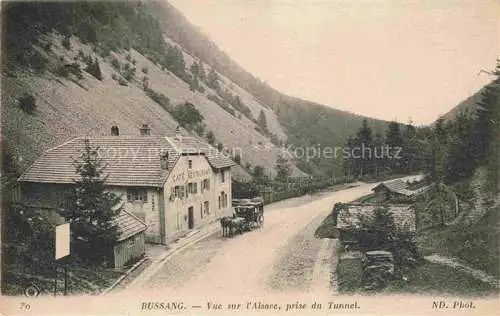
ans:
(205, 185)
(222, 177)
(137, 194)
(190, 164)
(206, 208)
(222, 200)
(193, 187)
(178, 192)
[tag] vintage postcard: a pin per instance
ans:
(271, 157)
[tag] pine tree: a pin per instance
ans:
(394, 141)
(262, 120)
(258, 175)
(364, 141)
(410, 152)
(460, 162)
(213, 80)
(282, 169)
(92, 209)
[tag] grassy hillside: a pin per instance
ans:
(137, 45)
(306, 123)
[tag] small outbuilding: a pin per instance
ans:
(349, 219)
(130, 246)
(396, 189)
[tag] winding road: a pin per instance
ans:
(283, 256)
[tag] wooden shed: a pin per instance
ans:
(131, 245)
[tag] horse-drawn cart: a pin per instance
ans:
(248, 214)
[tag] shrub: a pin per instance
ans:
(144, 70)
(134, 62)
(200, 129)
(27, 103)
(114, 76)
(122, 82)
(211, 138)
(62, 71)
(187, 115)
(145, 83)
(128, 57)
(75, 69)
(104, 51)
(47, 46)
(94, 69)
(159, 98)
(81, 54)
(65, 42)
(115, 64)
(38, 62)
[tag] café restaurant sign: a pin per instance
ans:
(191, 174)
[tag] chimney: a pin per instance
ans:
(178, 134)
(164, 161)
(145, 130)
(115, 131)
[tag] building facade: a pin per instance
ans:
(173, 184)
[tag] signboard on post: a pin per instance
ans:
(62, 241)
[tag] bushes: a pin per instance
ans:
(128, 72)
(211, 138)
(115, 64)
(145, 83)
(187, 115)
(122, 82)
(38, 62)
(222, 103)
(200, 129)
(94, 69)
(159, 98)
(65, 42)
(67, 69)
(27, 103)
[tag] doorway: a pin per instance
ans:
(190, 217)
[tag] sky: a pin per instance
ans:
(393, 60)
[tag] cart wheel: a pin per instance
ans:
(32, 290)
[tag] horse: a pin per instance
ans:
(232, 224)
(225, 223)
(237, 225)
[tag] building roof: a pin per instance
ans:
(129, 160)
(129, 225)
(191, 145)
(350, 218)
(395, 186)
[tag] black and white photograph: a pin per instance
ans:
(197, 157)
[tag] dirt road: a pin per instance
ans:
(281, 257)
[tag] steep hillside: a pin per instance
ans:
(468, 104)
(153, 62)
(306, 123)
(67, 108)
